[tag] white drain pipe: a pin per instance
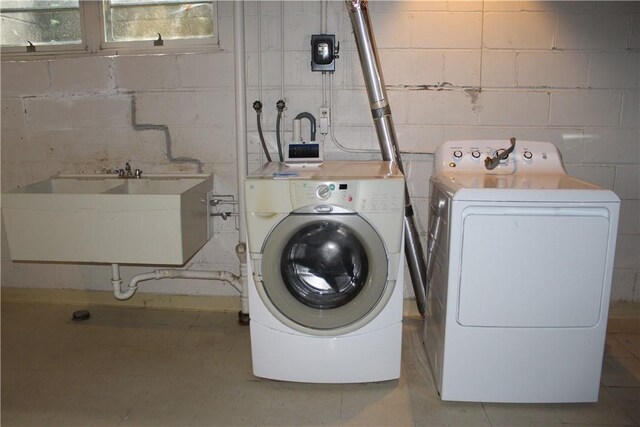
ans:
(170, 273)
(241, 146)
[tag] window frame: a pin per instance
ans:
(62, 48)
(92, 29)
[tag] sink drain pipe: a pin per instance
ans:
(385, 131)
(169, 273)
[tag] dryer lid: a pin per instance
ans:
(532, 172)
(518, 181)
(522, 187)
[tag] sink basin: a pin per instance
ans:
(69, 186)
(157, 186)
(158, 219)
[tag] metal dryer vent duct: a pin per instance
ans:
(386, 133)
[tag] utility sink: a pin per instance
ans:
(157, 219)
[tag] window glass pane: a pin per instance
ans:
(40, 22)
(130, 20)
(324, 265)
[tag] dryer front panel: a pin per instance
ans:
(525, 266)
(324, 273)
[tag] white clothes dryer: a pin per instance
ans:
(520, 267)
(326, 257)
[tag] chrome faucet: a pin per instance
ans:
(127, 173)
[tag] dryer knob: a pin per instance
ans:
(323, 191)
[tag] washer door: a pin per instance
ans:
(324, 273)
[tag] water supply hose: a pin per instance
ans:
(280, 105)
(257, 105)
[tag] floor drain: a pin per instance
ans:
(81, 315)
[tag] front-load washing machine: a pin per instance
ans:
(326, 255)
(520, 266)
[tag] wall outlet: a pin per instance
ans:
(323, 120)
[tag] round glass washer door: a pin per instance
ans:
(324, 274)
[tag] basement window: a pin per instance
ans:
(31, 23)
(136, 22)
(36, 27)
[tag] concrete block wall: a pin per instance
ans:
(564, 72)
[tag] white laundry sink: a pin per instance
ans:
(157, 219)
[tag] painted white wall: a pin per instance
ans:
(564, 72)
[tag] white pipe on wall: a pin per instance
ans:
(259, 42)
(323, 16)
(241, 143)
(241, 111)
(281, 134)
(282, 52)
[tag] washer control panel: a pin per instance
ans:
(472, 155)
(375, 195)
(343, 194)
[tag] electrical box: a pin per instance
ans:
(324, 52)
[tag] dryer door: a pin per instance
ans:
(324, 272)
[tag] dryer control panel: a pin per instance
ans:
(470, 156)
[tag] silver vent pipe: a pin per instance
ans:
(383, 122)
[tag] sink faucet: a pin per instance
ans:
(127, 173)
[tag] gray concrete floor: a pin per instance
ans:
(142, 367)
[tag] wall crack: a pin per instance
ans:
(444, 86)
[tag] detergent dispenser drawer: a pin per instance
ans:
(535, 267)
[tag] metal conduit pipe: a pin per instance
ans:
(385, 131)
